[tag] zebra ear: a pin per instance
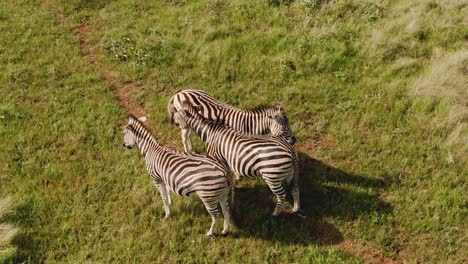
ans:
(278, 107)
(142, 119)
(185, 105)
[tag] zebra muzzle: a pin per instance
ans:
(128, 147)
(292, 141)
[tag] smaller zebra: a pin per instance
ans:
(259, 121)
(182, 173)
(270, 157)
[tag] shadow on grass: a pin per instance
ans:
(26, 244)
(253, 205)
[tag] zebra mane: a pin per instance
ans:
(190, 111)
(141, 129)
(262, 109)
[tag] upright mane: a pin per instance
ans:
(259, 109)
(140, 129)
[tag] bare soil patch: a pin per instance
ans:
(370, 255)
(121, 90)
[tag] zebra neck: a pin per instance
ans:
(147, 143)
(255, 121)
(201, 127)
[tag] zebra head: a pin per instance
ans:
(280, 127)
(187, 110)
(130, 138)
(179, 119)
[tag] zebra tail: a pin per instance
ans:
(171, 109)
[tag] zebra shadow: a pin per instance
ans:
(326, 193)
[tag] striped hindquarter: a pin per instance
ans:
(272, 158)
(182, 173)
(260, 121)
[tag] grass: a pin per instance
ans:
(374, 92)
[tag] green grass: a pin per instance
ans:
(382, 132)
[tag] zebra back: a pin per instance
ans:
(236, 148)
(261, 120)
(184, 173)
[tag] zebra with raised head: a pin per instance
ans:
(182, 173)
(270, 157)
(260, 121)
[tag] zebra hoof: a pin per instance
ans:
(225, 232)
(208, 236)
(276, 212)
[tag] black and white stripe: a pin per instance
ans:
(247, 155)
(182, 173)
(259, 121)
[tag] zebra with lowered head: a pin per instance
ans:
(182, 173)
(270, 157)
(260, 121)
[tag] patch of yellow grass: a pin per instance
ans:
(446, 75)
(408, 18)
(7, 231)
(447, 79)
(403, 63)
(5, 206)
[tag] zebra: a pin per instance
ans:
(259, 121)
(182, 173)
(247, 155)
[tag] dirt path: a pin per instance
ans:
(122, 91)
(369, 255)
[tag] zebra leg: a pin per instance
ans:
(278, 190)
(189, 139)
(295, 194)
(226, 212)
(233, 190)
(184, 133)
(162, 190)
(168, 190)
(295, 190)
(212, 207)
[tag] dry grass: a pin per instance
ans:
(5, 205)
(412, 21)
(447, 80)
(7, 231)
(418, 35)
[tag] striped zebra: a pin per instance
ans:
(247, 155)
(260, 121)
(182, 173)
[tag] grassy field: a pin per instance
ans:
(376, 93)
